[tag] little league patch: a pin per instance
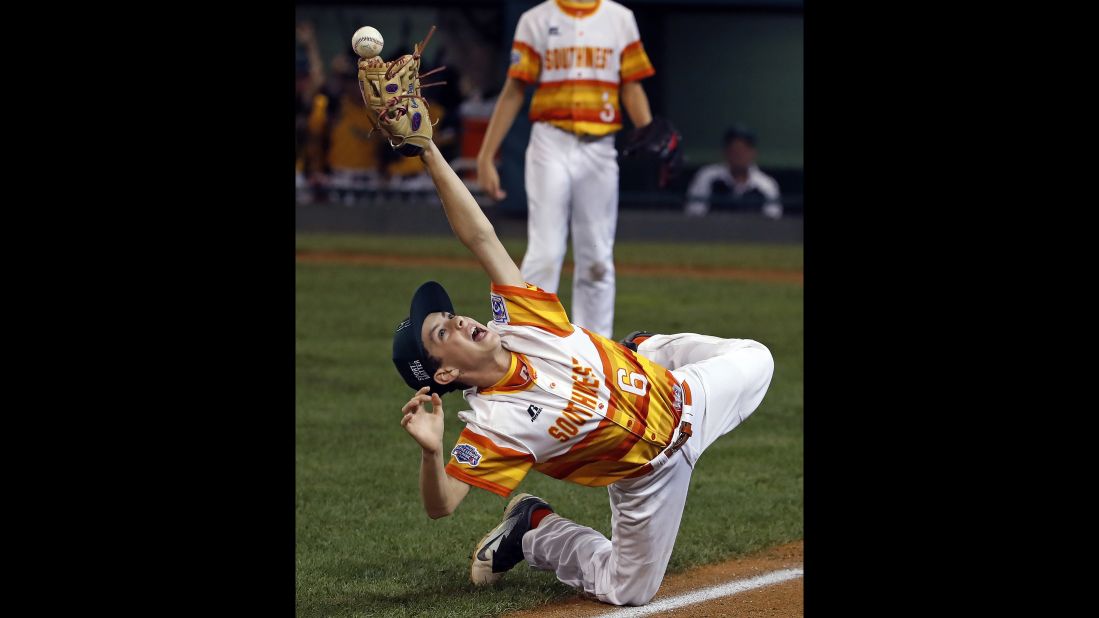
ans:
(467, 454)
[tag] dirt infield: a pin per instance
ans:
(783, 599)
(696, 272)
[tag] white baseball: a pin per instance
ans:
(367, 42)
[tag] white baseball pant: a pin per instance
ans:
(572, 183)
(728, 379)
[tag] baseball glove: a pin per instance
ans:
(657, 140)
(391, 91)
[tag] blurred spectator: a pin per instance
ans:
(338, 159)
(353, 153)
(738, 183)
(308, 160)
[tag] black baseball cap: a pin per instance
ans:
(739, 131)
(408, 347)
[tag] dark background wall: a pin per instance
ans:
(718, 62)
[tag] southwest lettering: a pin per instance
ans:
(582, 402)
(593, 383)
(567, 425)
(580, 57)
(583, 387)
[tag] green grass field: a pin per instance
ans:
(365, 546)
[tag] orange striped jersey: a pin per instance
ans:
(574, 405)
(578, 55)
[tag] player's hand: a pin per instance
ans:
(489, 180)
(424, 425)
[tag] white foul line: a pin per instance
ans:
(706, 594)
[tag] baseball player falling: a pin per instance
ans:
(578, 53)
(548, 395)
(551, 396)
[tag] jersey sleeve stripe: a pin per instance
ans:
(634, 63)
(632, 48)
(529, 63)
(485, 442)
(638, 75)
(514, 290)
(536, 308)
(521, 46)
(475, 481)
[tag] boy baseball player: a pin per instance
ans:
(551, 396)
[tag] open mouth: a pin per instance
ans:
(479, 333)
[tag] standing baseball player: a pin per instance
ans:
(585, 57)
(552, 396)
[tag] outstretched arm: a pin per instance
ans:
(469, 223)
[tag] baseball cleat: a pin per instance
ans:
(502, 548)
(635, 339)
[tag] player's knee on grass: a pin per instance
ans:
(768, 365)
(640, 596)
(637, 587)
(757, 373)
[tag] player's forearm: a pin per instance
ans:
(636, 103)
(468, 221)
(434, 487)
(507, 108)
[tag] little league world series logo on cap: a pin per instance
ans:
(418, 371)
(499, 309)
(466, 454)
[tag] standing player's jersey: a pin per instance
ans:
(574, 405)
(578, 55)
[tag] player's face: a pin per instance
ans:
(458, 341)
(740, 154)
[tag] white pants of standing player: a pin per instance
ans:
(728, 378)
(572, 182)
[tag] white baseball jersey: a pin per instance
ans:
(578, 55)
(698, 192)
(519, 423)
(574, 405)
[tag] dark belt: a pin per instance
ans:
(685, 434)
(584, 137)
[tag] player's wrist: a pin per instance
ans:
(484, 158)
